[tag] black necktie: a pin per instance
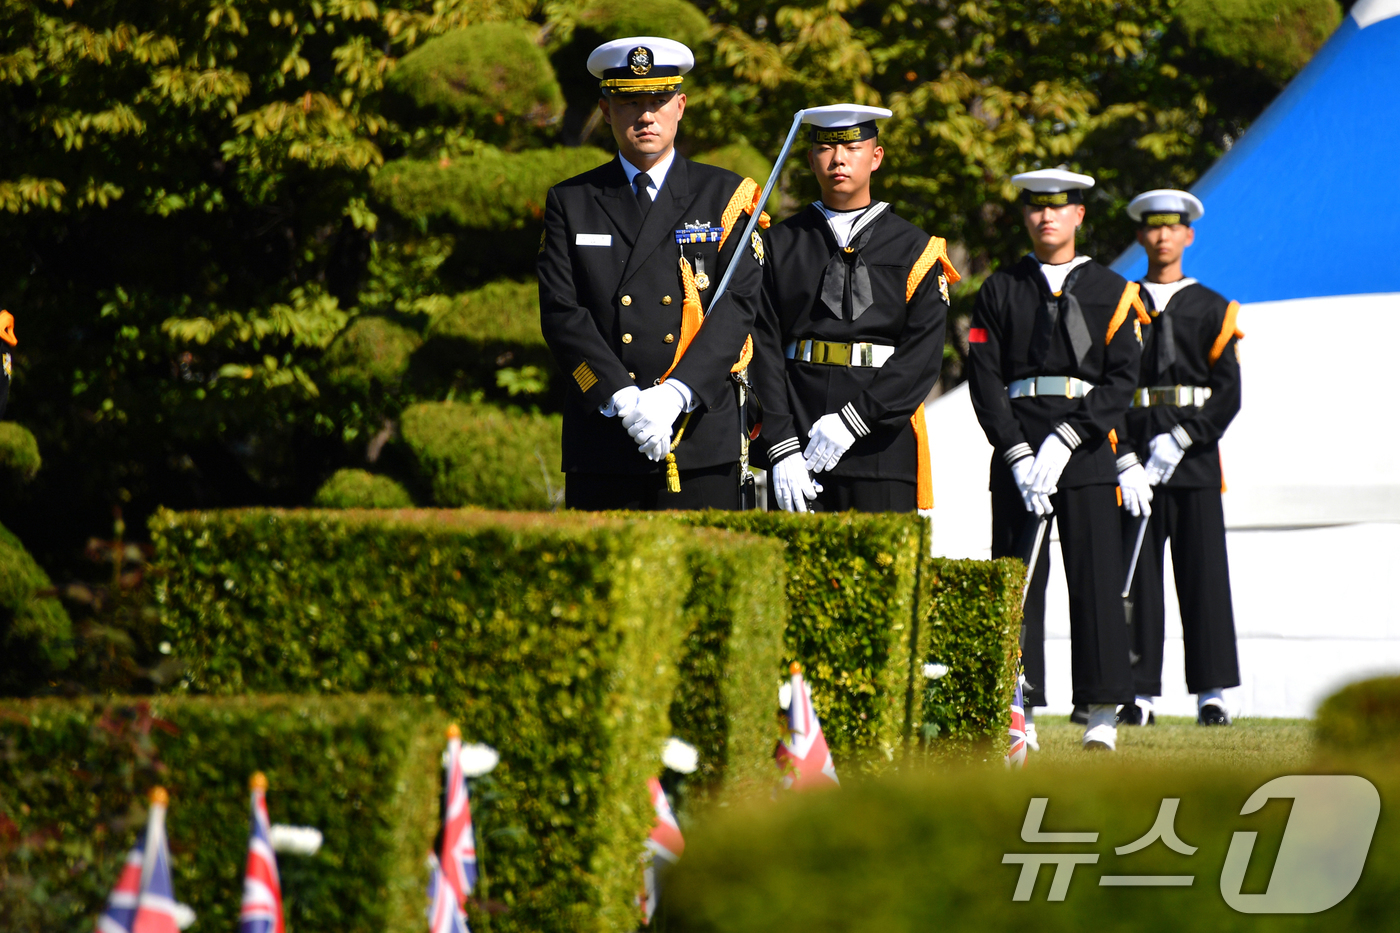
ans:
(643, 182)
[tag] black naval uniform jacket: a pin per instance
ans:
(1202, 351)
(1008, 314)
(610, 310)
(874, 403)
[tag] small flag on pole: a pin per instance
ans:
(1016, 757)
(444, 914)
(665, 843)
(121, 903)
(156, 910)
(262, 889)
(803, 758)
(458, 856)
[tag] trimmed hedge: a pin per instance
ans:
(360, 489)
(745, 160)
(479, 455)
(546, 636)
(36, 635)
(19, 451)
(925, 853)
(372, 350)
(74, 775)
(502, 312)
(671, 19)
(1362, 718)
(971, 611)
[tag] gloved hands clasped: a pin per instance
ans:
(1166, 455)
(1137, 491)
(830, 439)
(651, 421)
(1039, 503)
(793, 486)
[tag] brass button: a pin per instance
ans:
(626, 300)
(669, 338)
(666, 300)
(626, 338)
(632, 376)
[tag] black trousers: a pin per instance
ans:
(844, 494)
(706, 488)
(1195, 522)
(1090, 538)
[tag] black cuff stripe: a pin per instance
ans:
(1068, 435)
(1182, 437)
(853, 420)
(1018, 452)
(784, 449)
(1128, 461)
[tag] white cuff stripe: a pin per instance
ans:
(1068, 435)
(1128, 461)
(854, 420)
(1181, 437)
(784, 449)
(1018, 452)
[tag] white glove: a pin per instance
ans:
(623, 401)
(1039, 503)
(650, 421)
(830, 439)
(1049, 464)
(1137, 491)
(1166, 454)
(792, 485)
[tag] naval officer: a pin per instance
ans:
(1054, 350)
(631, 256)
(855, 301)
(1188, 393)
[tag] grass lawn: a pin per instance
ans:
(1178, 742)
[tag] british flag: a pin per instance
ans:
(458, 856)
(803, 758)
(155, 906)
(1016, 757)
(665, 843)
(444, 913)
(262, 888)
(121, 903)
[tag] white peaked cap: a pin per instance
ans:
(833, 115)
(1166, 201)
(1051, 180)
(665, 54)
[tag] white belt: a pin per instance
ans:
(1178, 396)
(1051, 386)
(873, 355)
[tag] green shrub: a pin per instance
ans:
(1276, 36)
(74, 778)
(360, 489)
(371, 350)
(503, 312)
(19, 451)
(1362, 718)
(745, 160)
(484, 456)
(488, 72)
(487, 190)
(670, 19)
(559, 639)
(36, 635)
(971, 611)
(914, 853)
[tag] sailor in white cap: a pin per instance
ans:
(631, 253)
(850, 337)
(1188, 393)
(1054, 350)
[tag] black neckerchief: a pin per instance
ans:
(1053, 309)
(846, 279)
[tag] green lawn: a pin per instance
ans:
(1178, 741)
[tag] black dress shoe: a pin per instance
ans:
(1080, 714)
(1134, 715)
(1212, 714)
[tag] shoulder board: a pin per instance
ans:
(935, 251)
(1230, 328)
(743, 201)
(1131, 300)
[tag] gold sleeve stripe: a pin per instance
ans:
(584, 377)
(1131, 300)
(1227, 330)
(743, 201)
(935, 251)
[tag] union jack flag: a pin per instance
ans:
(1016, 757)
(262, 889)
(665, 843)
(803, 758)
(155, 906)
(458, 854)
(121, 903)
(444, 914)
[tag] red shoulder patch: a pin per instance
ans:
(977, 335)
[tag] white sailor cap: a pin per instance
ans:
(1052, 187)
(1162, 207)
(640, 65)
(844, 123)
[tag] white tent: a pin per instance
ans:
(1302, 225)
